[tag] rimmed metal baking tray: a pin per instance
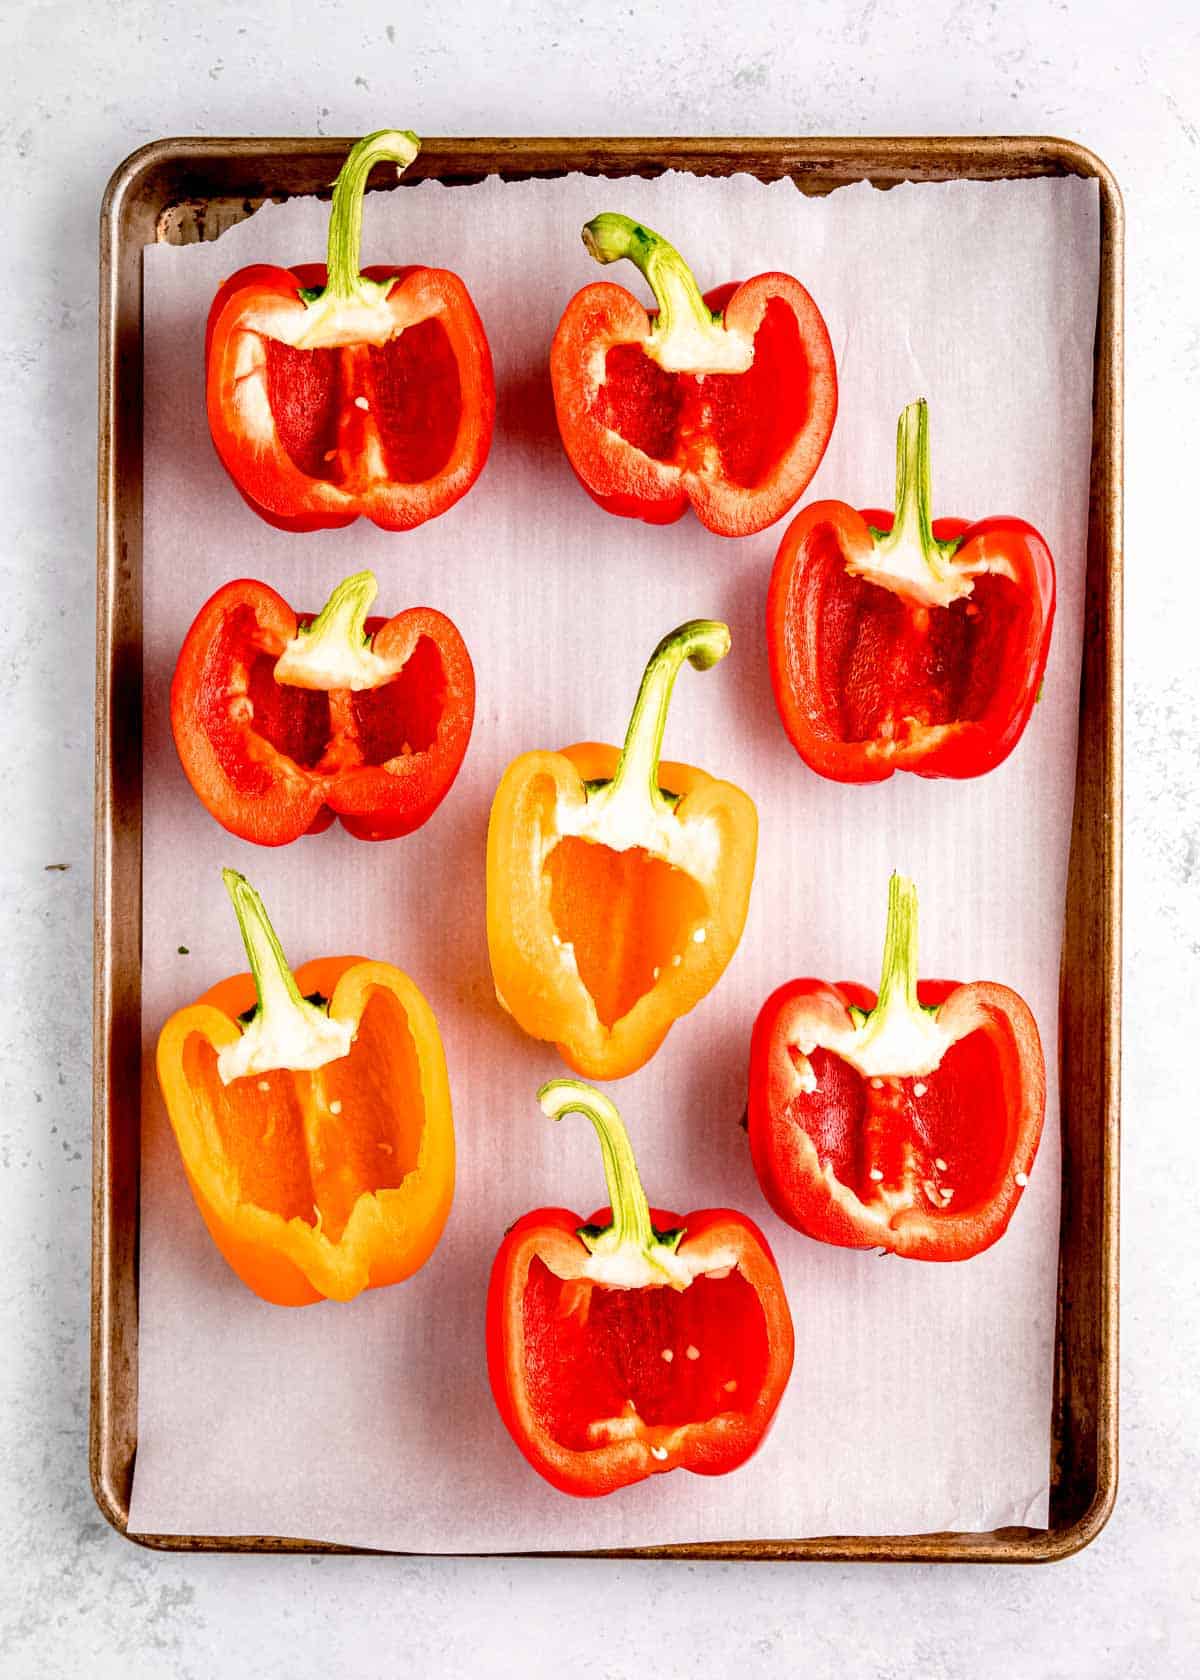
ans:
(179, 191)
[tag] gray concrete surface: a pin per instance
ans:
(81, 88)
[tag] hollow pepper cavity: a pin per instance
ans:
(724, 402)
(908, 1121)
(333, 393)
(636, 1343)
(312, 1114)
(282, 723)
(617, 886)
(905, 643)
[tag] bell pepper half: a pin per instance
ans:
(725, 401)
(905, 643)
(333, 393)
(282, 723)
(908, 1121)
(633, 1345)
(617, 886)
(312, 1114)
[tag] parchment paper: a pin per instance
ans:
(921, 1394)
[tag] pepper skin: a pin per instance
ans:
(333, 393)
(632, 1346)
(617, 887)
(909, 1123)
(906, 643)
(725, 402)
(281, 724)
(317, 1137)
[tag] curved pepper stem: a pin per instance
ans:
(610, 237)
(386, 145)
(687, 337)
(630, 1246)
(702, 642)
(343, 618)
(285, 1031)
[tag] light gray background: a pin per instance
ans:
(80, 90)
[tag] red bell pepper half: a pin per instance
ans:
(725, 401)
(283, 723)
(906, 643)
(333, 393)
(630, 1346)
(908, 1122)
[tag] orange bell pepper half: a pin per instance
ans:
(617, 886)
(312, 1114)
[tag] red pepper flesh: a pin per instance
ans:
(333, 393)
(631, 1346)
(724, 402)
(901, 643)
(908, 1122)
(283, 723)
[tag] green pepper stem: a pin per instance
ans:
(912, 527)
(342, 620)
(900, 1037)
(386, 145)
(686, 336)
(334, 651)
(609, 237)
(630, 1210)
(909, 560)
(914, 518)
(702, 642)
(273, 979)
(898, 981)
(286, 1030)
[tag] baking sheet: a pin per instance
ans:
(921, 1395)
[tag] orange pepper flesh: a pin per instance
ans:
(622, 912)
(600, 948)
(317, 1184)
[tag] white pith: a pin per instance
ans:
(906, 570)
(629, 1267)
(305, 663)
(897, 1045)
(331, 323)
(623, 818)
(697, 348)
(296, 1039)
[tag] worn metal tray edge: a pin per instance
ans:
(1085, 1412)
